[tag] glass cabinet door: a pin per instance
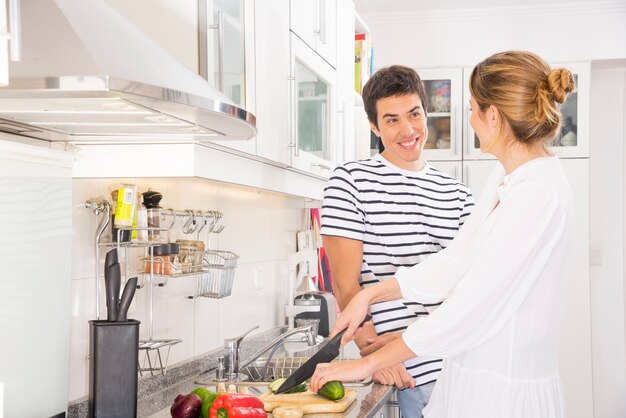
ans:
(313, 110)
(443, 96)
(222, 48)
(573, 140)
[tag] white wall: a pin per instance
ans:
(260, 227)
(576, 32)
(608, 90)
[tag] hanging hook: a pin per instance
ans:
(218, 216)
(173, 215)
(203, 224)
(191, 225)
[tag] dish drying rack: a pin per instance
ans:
(214, 273)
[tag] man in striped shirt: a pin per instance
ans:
(388, 211)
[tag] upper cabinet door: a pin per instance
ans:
(444, 94)
(573, 140)
(4, 44)
(273, 100)
(315, 22)
(303, 20)
(226, 55)
(313, 110)
(225, 47)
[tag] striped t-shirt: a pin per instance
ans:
(401, 217)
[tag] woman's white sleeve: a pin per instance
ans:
(478, 302)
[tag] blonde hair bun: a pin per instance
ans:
(561, 83)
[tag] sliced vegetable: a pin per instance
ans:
(276, 384)
(236, 405)
(332, 390)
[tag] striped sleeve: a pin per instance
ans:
(468, 205)
(342, 212)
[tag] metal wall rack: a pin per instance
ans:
(214, 271)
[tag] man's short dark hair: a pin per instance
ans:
(396, 80)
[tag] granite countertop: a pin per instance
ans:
(156, 393)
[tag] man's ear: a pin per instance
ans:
(374, 129)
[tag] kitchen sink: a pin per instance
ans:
(262, 372)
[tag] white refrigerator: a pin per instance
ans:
(35, 269)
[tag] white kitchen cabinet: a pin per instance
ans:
(10, 37)
(227, 56)
(573, 141)
(313, 111)
(226, 47)
(273, 89)
(452, 168)
(444, 94)
(315, 22)
(4, 44)
(475, 174)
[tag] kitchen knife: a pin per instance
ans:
(127, 297)
(112, 284)
(327, 353)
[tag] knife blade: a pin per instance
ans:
(326, 354)
(112, 284)
(127, 297)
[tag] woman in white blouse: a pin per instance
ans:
(501, 278)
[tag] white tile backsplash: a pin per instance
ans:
(260, 227)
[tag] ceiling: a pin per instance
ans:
(398, 6)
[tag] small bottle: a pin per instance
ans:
(125, 208)
(141, 216)
(151, 200)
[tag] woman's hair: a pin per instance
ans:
(525, 90)
(396, 80)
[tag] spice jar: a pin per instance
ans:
(160, 261)
(151, 200)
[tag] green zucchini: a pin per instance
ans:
(302, 387)
(332, 390)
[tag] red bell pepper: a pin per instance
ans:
(236, 405)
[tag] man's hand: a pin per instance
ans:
(375, 343)
(394, 376)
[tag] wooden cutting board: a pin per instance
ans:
(306, 402)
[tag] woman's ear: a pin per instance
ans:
(493, 116)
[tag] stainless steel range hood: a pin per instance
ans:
(89, 76)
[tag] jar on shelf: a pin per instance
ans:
(151, 200)
(160, 260)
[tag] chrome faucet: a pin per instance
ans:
(231, 358)
(310, 339)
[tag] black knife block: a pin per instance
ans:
(113, 368)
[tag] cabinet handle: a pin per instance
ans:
(466, 175)
(293, 116)
(219, 26)
(468, 131)
(15, 30)
(455, 123)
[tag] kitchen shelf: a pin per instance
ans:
(153, 347)
(214, 275)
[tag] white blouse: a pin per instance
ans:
(501, 281)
